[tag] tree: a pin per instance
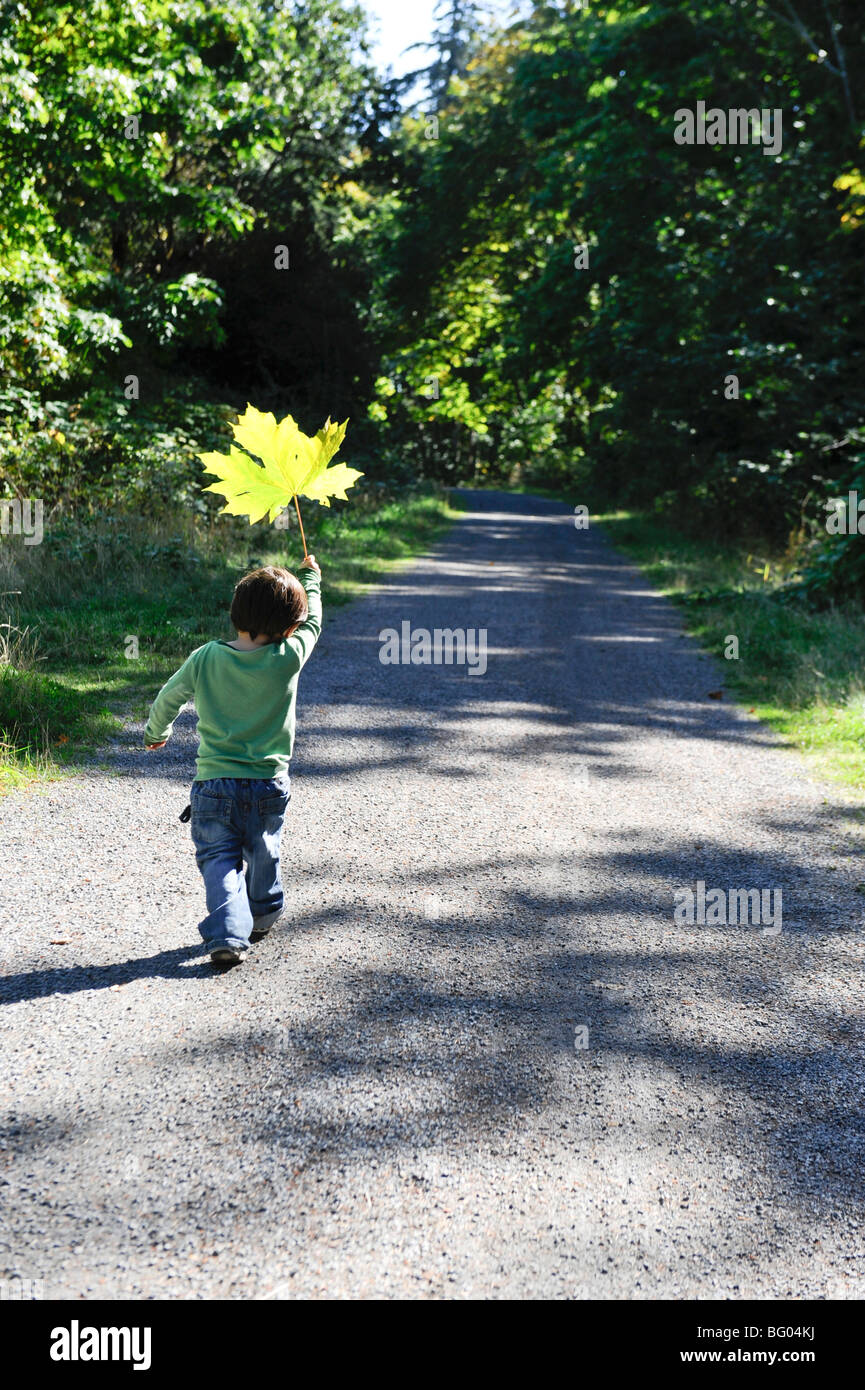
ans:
(567, 265)
(458, 25)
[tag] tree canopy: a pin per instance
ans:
(532, 276)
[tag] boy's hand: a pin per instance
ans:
(310, 563)
(150, 746)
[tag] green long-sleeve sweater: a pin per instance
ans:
(245, 700)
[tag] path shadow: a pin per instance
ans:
(486, 1021)
(181, 963)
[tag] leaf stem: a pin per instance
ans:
(300, 524)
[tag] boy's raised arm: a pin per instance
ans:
(176, 691)
(306, 634)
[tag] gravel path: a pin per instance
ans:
(391, 1096)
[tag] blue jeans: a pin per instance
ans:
(237, 820)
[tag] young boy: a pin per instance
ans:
(245, 693)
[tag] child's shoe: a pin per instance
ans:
(227, 955)
(261, 928)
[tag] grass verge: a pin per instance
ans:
(801, 669)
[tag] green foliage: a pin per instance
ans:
(102, 451)
(702, 262)
(184, 310)
(151, 157)
(834, 565)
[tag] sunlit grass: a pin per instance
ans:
(801, 669)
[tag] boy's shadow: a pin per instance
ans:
(176, 964)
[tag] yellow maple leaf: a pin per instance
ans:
(286, 463)
(331, 483)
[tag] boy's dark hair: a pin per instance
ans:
(268, 601)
